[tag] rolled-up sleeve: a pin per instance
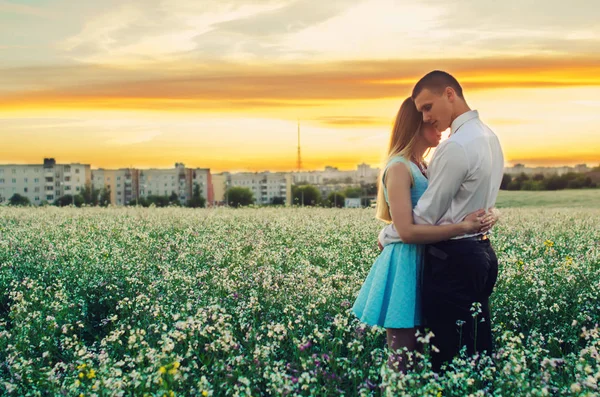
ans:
(447, 171)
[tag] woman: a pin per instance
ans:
(390, 296)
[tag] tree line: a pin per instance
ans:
(569, 180)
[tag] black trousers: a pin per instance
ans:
(457, 275)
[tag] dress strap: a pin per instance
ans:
(392, 161)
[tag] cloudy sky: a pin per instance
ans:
(222, 83)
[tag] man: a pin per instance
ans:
(464, 176)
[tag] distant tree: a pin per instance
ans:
(278, 201)
(348, 179)
(141, 201)
(532, 185)
(521, 177)
(197, 200)
(89, 195)
(506, 179)
(174, 199)
(336, 199)
(352, 192)
(18, 200)
(104, 200)
(310, 194)
(370, 189)
(158, 201)
(513, 185)
(68, 199)
(239, 196)
(538, 177)
(555, 182)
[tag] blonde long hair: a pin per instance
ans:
(407, 126)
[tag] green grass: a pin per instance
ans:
(562, 198)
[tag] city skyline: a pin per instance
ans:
(223, 84)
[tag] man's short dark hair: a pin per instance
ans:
(437, 81)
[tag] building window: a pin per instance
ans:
(50, 197)
(24, 190)
(36, 189)
(77, 188)
(118, 184)
(36, 180)
(37, 198)
(49, 188)
(26, 180)
(49, 179)
(36, 170)
(67, 187)
(67, 168)
(118, 178)
(14, 171)
(77, 170)
(1, 180)
(14, 180)
(67, 178)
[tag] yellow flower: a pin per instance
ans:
(91, 374)
(172, 371)
(204, 393)
(176, 364)
(548, 243)
(439, 393)
(162, 370)
(81, 375)
(171, 394)
(80, 394)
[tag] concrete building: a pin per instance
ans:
(42, 182)
(364, 173)
(123, 184)
(264, 185)
(219, 185)
(179, 180)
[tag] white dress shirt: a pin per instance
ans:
(464, 176)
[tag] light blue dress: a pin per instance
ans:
(390, 297)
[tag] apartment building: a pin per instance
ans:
(129, 184)
(264, 185)
(42, 182)
(364, 173)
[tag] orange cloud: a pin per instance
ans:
(242, 88)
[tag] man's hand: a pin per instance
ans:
(379, 245)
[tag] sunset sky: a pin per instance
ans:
(222, 83)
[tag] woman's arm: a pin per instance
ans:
(398, 187)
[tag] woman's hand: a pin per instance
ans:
(476, 221)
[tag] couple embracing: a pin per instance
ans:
(437, 264)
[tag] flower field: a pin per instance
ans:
(251, 302)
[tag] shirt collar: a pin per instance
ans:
(462, 119)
